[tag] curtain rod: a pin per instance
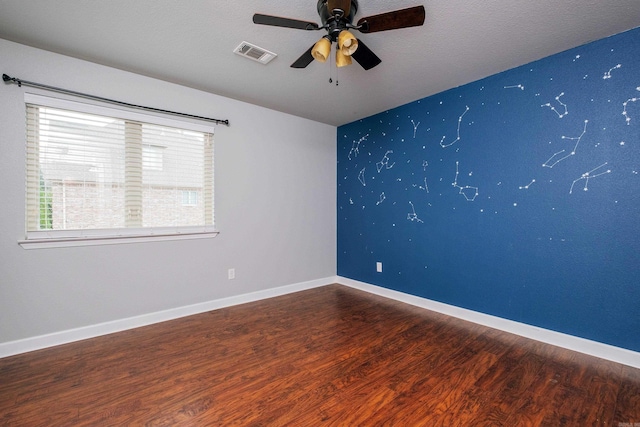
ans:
(20, 82)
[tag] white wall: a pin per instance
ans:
(275, 207)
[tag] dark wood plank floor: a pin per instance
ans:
(328, 356)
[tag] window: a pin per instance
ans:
(95, 172)
(189, 198)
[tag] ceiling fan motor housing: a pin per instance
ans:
(336, 22)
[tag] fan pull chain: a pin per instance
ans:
(330, 68)
(333, 65)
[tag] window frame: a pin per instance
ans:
(83, 237)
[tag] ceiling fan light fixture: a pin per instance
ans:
(347, 43)
(337, 17)
(342, 60)
(321, 49)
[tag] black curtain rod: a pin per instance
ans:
(19, 82)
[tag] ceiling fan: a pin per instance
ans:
(337, 19)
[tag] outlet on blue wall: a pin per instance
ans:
(517, 195)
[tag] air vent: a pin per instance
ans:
(254, 52)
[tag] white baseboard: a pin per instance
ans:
(593, 348)
(36, 343)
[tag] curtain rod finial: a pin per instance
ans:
(8, 79)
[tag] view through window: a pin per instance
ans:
(115, 176)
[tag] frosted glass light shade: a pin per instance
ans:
(342, 60)
(321, 50)
(347, 43)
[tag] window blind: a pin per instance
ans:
(94, 171)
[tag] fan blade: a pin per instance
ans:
(344, 5)
(411, 17)
(304, 60)
(277, 21)
(365, 57)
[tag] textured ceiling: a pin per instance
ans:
(191, 43)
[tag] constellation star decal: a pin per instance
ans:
(355, 148)
(624, 104)
(548, 163)
(412, 216)
(526, 187)
(607, 75)
(384, 163)
(442, 144)
(521, 87)
(560, 115)
(361, 177)
(588, 175)
(465, 190)
(426, 187)
(415, 128)
(382, 199)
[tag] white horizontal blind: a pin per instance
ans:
(115, 173)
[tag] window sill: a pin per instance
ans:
(115, 240)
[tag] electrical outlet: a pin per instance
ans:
(379, 267)
(231, 273)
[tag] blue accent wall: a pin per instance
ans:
(516, 196)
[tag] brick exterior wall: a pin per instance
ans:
(84, 205)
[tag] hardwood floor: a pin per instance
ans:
(328, 356)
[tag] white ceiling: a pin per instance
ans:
(191, 43)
